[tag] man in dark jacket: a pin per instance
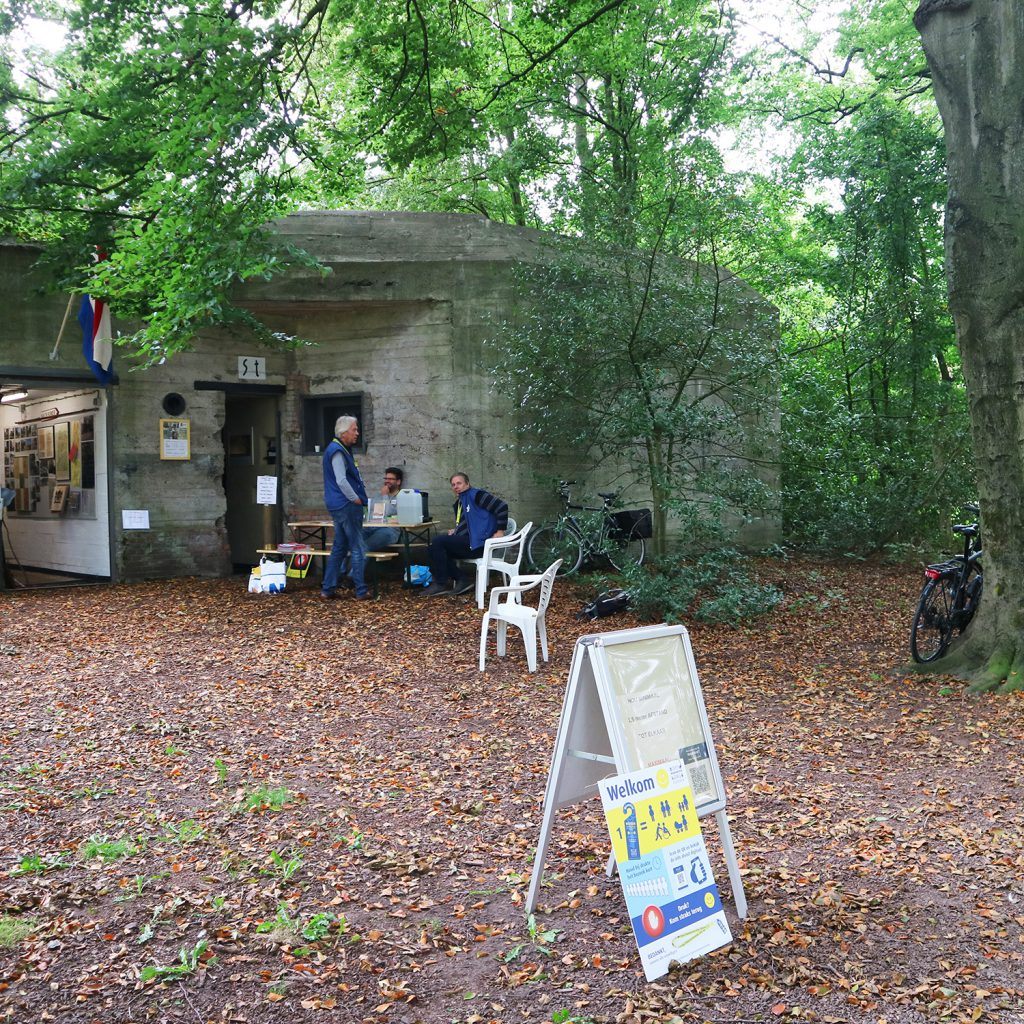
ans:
(479, 515)
(345, 498)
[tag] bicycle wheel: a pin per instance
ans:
(552, 542)
(623, 551)
(933, 627)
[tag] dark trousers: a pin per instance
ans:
(444, 553)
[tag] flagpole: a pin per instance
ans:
(63, 324)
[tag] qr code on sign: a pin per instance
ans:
(700, 779)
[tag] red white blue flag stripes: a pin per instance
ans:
(97, 343)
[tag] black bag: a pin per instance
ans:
(631, 523)
(608, 603)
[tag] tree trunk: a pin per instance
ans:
(975, 51)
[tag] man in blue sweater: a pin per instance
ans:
(479, 515)
(345, 498)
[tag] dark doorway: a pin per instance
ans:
(252, 442)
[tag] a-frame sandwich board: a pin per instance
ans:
(633, 701)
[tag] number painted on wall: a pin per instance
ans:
(252, 368)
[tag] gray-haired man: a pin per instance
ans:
(345, 498)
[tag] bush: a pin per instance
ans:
(717, 588)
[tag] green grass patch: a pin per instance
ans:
(107, 849)
(34, 864)
(266, 798)
(14, 929)
(188, 963)
(185, 832)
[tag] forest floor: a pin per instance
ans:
(226, 807)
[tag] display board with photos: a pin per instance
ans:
(41, 458)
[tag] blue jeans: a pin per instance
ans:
(348, 540)
(378, 537)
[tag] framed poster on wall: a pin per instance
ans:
(75, 452)
(46, 442)
(175, 442)
(62, 470)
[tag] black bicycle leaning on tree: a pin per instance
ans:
(949, 598)
(618, 536)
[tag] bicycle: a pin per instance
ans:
(617, 536)
(949, 598)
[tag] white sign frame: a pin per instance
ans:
(591, 745)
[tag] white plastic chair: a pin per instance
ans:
(529, 621)
(501, 554)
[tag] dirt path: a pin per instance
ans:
(304, 810)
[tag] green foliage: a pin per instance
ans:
(169, 136)
(265, 798)
(875, 430)
(643, 361)
(285, 866)
(106, 849)
(712, 587)
(185, 832)
(157, 136)
(188, 963)
(282, 922)
(35, 864)
(542, 938)
(319, 926)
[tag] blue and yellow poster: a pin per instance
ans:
(663, 864)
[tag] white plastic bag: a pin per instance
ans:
(255, 581)
(272, 576)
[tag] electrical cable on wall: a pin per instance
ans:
(8, 565)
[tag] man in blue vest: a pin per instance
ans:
(345, 498)
(479, 515)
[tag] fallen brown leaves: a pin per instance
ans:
(229, 807)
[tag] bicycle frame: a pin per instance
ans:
(957, 570)
(593, 541)
(949, 598)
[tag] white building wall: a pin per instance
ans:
(68, 544)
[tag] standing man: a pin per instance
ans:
(379, 537)
(479, 515)
(345, 498)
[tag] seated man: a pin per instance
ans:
(379, 537)
(479, 516)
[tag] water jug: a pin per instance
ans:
(412, 505)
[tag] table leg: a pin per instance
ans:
(408, 557)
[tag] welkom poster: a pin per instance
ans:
(666, 876)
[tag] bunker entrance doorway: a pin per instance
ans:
(252, 445)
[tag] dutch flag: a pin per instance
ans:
(97, 344)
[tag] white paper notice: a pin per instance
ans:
(266, 490)
(135, 518)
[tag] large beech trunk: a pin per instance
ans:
(975, 51)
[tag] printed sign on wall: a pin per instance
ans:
(663, 863)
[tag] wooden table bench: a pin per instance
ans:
(372, 559)
(410, 535)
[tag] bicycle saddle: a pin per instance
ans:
(968, 531)
(608, 495)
